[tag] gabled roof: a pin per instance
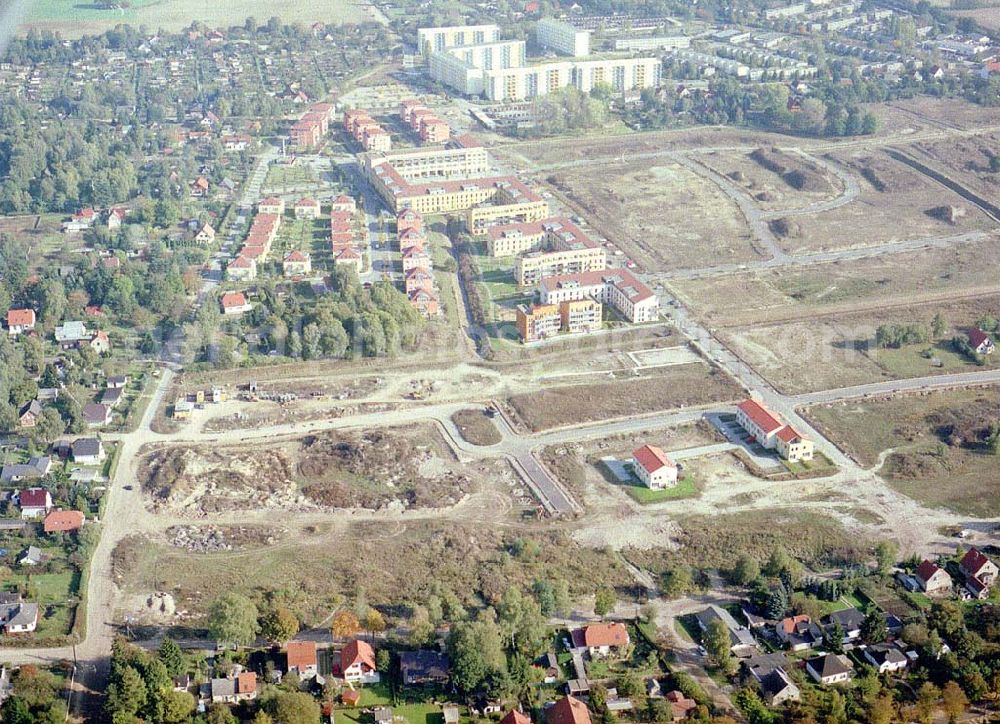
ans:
(791, 623)
(788, 434)
(850, 619)
(20, 317)
(760, 415)
(974, 560)
(246, 682)
(926, 570)
(63, 520)
(885, 654)
(828, 665)
(652, 458)
(604, 634)
(569, 710)
(233, 299)
(301, 654)
(515, 717)
(34, 498)
(977, 337)
(357, 652)
(296, 255)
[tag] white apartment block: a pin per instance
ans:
(657, 42)
(451, 163)
(492, 56)
(562, 37)
(430, 40)
(621, 74)
(619, 288)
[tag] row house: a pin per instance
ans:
(366, 131)
(424, 121)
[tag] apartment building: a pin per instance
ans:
(480, 219)
(618, 288)
(436, 39)
(514, 239)
(453, 72)
(538, 321)
(451, 163)
(621, 74)
(491, 56)
(562, 37)
(532, 267)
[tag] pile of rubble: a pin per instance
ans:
(211, 539)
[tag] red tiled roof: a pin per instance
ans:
(240, 262)
(233, 299)
(515, 717)
(357, 652)
(788, 434)
(246, 682)
(788, 625)
(63, 520)
(301, 654)
(622, 279)
(760, 415)
(926, 570)
(977, 337)
(307, 202)
(568, 711)
(974, 560)
(605, 634)
(652, 458)
(20, 317)
(33, 498)
(296, 255)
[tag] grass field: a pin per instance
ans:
(74, 18)
(279, 177)
(917, 428)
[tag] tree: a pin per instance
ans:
(421, 628)
(927, 699)
(873, 628)
(938, 326)
(477, 652)
(882, 710)
(604, 601)
(279, 625)
(719, 645)
(345, 624)
(562, 603)
(177, 706)
(777, 603)
(127, 694)
(885, 556)
(374, 622)
(383, 660)
(293, 707)
(954, 701)
(834, 638)
(232, 618)
(746, 570)
(220, 714)
(677, 581)
(172, 657)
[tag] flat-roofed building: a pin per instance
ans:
(452, 36)
(621, 74)
(562, 37)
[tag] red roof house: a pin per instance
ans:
(569, 710)
(302, 657)
(515, 717)
(20, 320)
(62, 521)
(357, 661)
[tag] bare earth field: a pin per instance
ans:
(404, 469)
(895, 204)
(950, 112)
(989, 18)
(661, 389)
(661, 214)
(320, 564)
(839, 351)
(938, 456)
(966, 160)
(771, 190)
(879, 282)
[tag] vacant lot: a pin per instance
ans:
(661, 214)
(74, 19)
(924, 111)
(322, 564)
(896, 203)
(966, 160)
(838, 350)
(880, 282)
(666, 389)
(938, 440)
(717, 541)
(989, 18)
(411, 468)
(477, 427)
(775, 179)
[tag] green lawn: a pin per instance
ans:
(283, 176)
(852, 600)
(414, 712)
(819, 463)
(909, 361)
(686, 488)
(687, 628)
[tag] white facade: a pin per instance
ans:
(562, 37)
(450, 70)
(620, 74)
(492, 56)
(434, 39)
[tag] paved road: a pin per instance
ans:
(849, 194)
(916, 384)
